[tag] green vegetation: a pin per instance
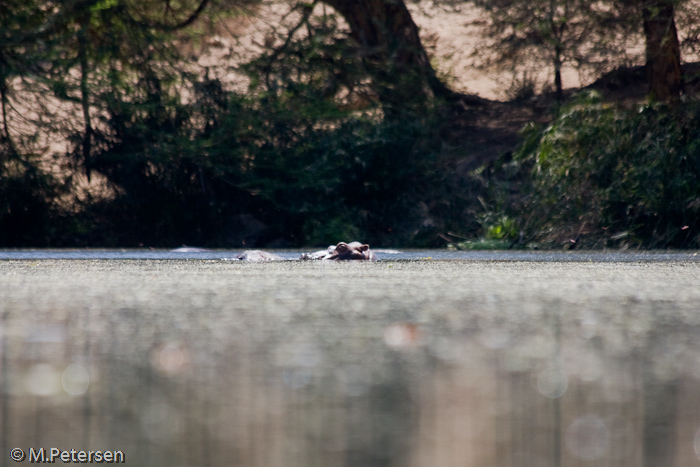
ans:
(602, 175)
(338, 128)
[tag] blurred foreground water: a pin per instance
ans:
(206, 362)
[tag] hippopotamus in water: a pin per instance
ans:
(340, 252)
(343, 251)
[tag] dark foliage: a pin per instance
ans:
(288, 164)
(601, 175)
(258, 173)
(29, 212)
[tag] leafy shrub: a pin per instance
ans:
(602, 175)
(358, 178)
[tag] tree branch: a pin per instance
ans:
(193, 17)
(174, 27)
(307, 10)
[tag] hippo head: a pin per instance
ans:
(352, 250)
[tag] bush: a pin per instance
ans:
(602, 175)
(283, 169)
(356, 179)
(29, 212)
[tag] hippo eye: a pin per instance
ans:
(364, 247)
(342, 247)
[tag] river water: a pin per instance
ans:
(383, 254)
(423, 358)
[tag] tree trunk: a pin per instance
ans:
(85, 96)
(392, 48)
(557, 73)
(662, 51)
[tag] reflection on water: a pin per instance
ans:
(186, 378)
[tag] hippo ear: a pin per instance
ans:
(364, 247)
(341, 247)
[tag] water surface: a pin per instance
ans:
(383, 254)
(535, 359)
